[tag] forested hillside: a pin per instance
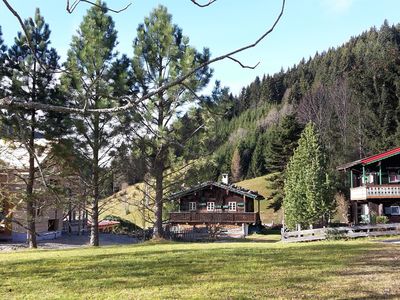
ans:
(351, 93)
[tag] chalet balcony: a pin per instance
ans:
(214, 217)
(375, 192)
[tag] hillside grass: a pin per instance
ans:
(126, 204)
(360, 269)
(268, 215)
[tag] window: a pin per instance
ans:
(392, 210)
(192, 206)
(232, 206)
(395, 210)
(394, 177)
(210, 206)
(52, 225)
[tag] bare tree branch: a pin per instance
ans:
(71, 7)
(8, 102)
(242, 65)
(203, 5)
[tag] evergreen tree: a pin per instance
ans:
(257, 164)
(32, 79)
(163, 54)
(308, 197)
(236, 166)
(275, 185)
(3, 55)
(96, 78)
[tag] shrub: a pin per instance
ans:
(124, 226)
(382, 220)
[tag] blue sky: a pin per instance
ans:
(307, 26)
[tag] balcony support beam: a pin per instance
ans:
(351, 178)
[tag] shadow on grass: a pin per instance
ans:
(173, 269)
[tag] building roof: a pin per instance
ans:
(371, 159)
(15, 156)
(230, 187)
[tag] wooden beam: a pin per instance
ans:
(351, 178)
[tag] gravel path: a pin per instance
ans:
(72, 241)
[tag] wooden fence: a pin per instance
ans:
(340, 232)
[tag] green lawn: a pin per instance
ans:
(246, 270)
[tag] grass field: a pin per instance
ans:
(246, 270)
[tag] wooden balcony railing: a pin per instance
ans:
(213, 217)
(375, 192)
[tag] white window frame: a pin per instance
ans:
(232, 206)
(210, 206)
(192, 206)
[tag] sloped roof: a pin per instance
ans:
(371, 159)
(230, 187)
(15, 155)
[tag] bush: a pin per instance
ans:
(335, 234)
(125, 226)
(382, 220)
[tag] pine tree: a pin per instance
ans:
(257, 164)
(308, 197)
(96, 79)
(162, 54)
(274, 185)
(236, 166)
(280, 142)
(32, 79)
(3, 50)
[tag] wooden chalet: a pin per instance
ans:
(48, 217)
(49, 211)
(374, 186)
(216, 203)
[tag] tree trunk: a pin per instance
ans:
(94, 230)
(30, 201)
(158, 228)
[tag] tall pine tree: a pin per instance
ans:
(308, 196)
(161, 55)
(95, 79)
(32, 79)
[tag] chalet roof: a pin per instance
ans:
(230, 187)
(371, 159)
(15, 156)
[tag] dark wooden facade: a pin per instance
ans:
(374, 184)
(216, 203)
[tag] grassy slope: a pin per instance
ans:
(258, 184)
(323, 270)
(124, 204)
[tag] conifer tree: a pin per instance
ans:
(32, 79)
(257, 164)
(162, 54)
(279, 146)
(308, 197)
(95, 79)
(3, 50)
